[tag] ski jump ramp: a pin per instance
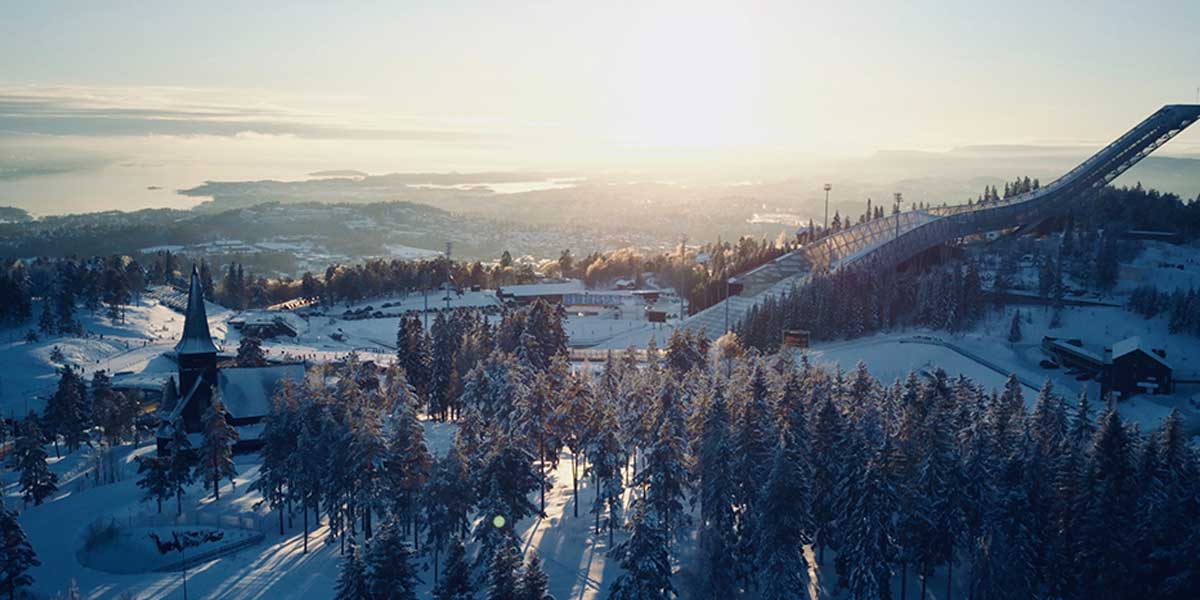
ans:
(885, 243)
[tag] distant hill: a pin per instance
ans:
(12, 214)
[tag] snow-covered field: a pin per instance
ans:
(890, 356)
(575, 560)
(29, 372)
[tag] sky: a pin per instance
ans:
(470, 84)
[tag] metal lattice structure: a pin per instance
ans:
(897, 238)
(889, 241)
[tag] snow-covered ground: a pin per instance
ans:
(890, 356)
(29, 373)
(575, 560)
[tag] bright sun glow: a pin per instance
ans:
(687, 79)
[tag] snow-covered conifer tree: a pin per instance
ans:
(156, 479)
(644, 558)
(456, 583)
(353, 583)
(782, 529)
(29, 458)
(534, 585)
(503, 573)
(183, 462)
(216, 449)
(16, 555)
(390, 564)
(718, 566)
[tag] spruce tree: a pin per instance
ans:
(534, 585)
(279, 438)
(644, 559)
(156, 479)
(605, 456)
(456, 583)
(718, 540)
(829, 445)
(353, 582)
(665, 476)
(1014, 327)
(406, 465)
(502, 573)
(446, 502)
(65, 411)
(250, 353)
(216, 450)
(782, 530)
(183, 462)
(29, 457)
(869, 531)
(1105, 563)
(16, 555)
(389, 559)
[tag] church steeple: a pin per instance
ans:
(196, 338)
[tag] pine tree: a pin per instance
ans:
(216, 450)
(533, 584)
(353, 582)
(456, 583)
(156, 479)
(29, 457)
(389, 560)
(644, 559)
(16, 555)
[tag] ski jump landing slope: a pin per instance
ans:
(884, 243)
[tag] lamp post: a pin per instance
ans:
(726, 306)
(828, 186)
(899, 198)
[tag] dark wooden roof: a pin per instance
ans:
(196, 338)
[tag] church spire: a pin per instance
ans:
(196, 338)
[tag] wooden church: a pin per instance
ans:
(244, 391)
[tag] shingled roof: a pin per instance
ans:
(196, 338)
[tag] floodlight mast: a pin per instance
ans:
(828, 186)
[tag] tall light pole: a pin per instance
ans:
(448, 274)
(828, 186)
(899, 198)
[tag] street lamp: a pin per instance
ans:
(828, 186)
(899, 198)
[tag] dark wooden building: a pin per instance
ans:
(245, 392)
(1135, 369)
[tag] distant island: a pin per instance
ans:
(154, 187)
(339, 173)
(12, 214)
